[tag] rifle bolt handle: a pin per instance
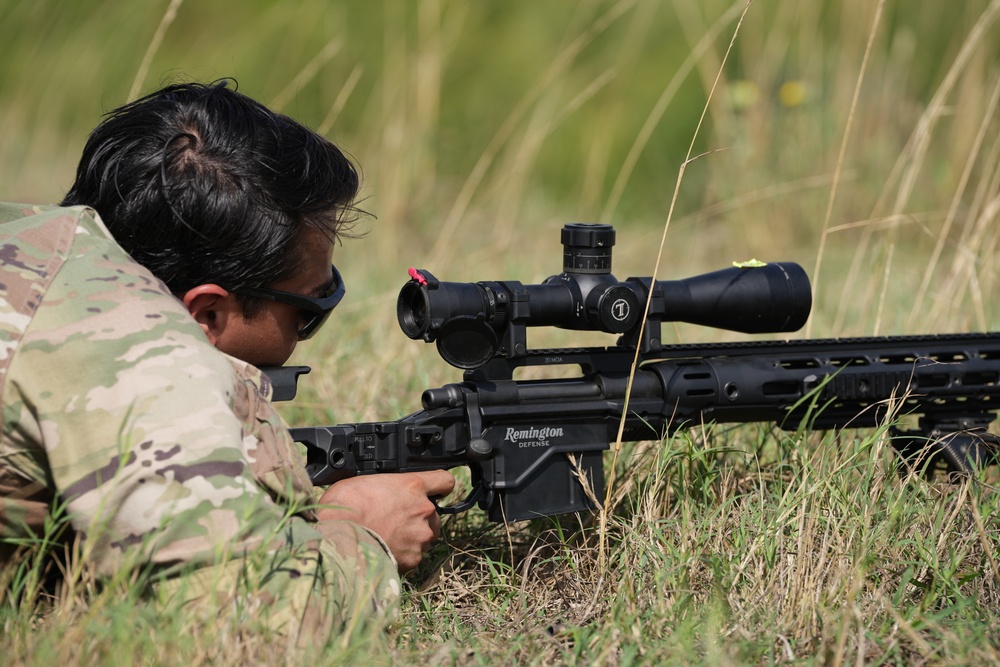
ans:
(479, 449)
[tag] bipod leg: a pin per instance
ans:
(959, 453)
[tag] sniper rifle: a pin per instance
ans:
(529, 443)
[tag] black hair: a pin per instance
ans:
(202, 184)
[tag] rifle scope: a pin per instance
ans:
(470, 321)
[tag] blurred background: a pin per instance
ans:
(483, 127)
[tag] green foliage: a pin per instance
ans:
(482, 128)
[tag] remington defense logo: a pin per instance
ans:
(532, 437)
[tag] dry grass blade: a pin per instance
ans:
(307, 74)
(656, 113)
(956, 204)
(843, 151)
(616, 447)
(911, 161)
(154, 45)
(558, 65)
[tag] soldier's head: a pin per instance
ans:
(221, 197)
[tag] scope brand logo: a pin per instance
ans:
(532, 437)
(620, 310)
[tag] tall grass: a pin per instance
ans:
(481, 129)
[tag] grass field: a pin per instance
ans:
(859, 138)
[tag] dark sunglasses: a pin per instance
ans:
(319, 307)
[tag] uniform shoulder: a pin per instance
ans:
(39, 225)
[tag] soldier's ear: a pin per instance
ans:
(213, 308)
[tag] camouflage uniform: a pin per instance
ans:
(161, 449)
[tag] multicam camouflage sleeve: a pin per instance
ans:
(162, 450)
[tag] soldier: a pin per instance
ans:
(193, 247)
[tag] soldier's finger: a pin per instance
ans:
(438, 482)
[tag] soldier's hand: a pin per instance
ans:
(397, 507)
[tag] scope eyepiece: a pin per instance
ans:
(413, 309)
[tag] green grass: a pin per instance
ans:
(482, 128)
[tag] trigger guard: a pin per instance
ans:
(461, 506)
